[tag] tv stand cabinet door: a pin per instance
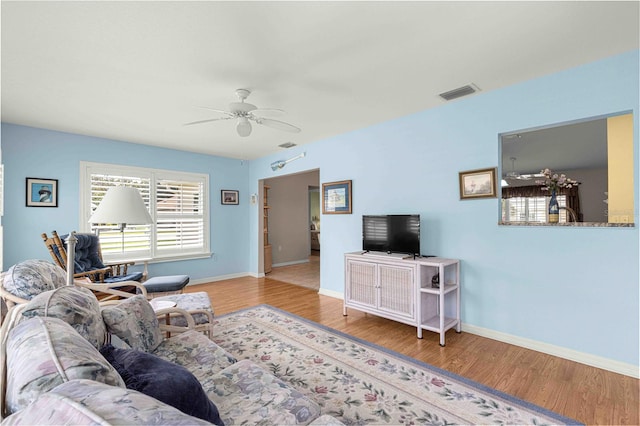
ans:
(397, 290)
(361, 285)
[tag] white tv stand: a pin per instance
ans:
(401, 289)
(387, 255)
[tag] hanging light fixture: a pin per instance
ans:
(243, 127)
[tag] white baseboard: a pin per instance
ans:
(219, 278)
(559, 351)
(331, 293)
(293, 262)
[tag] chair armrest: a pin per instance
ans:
(208, 314)
(10, 299)
(164, 319)
(111, 288)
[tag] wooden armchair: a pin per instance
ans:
(88, 259)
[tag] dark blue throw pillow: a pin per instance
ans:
(163, 380)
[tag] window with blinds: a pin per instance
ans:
(179, 215)
(176, 202)
(530, 209)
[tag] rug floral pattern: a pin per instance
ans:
(360, 383)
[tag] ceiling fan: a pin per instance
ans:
(515, 175)
(245, 112)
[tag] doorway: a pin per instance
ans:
(293, 225)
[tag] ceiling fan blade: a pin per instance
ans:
(268, 112)
(221, 111)
(206, 121)
(277, 124)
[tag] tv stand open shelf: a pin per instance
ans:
(402, 289)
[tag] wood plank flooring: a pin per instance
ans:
(587, 394)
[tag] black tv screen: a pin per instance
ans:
(391, 233)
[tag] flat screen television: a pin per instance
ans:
(396, 233)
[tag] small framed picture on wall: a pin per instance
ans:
(228, 196)
(336, 197)
(479, 183)
(42, 192)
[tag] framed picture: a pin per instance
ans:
(479, 183)
(228, 196)
(42, 192)
(336, 197)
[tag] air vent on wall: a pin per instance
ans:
(459, 92)
(287, 145)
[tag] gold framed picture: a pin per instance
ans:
(336, 197)
(479, 183)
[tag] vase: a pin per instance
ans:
(554, 208)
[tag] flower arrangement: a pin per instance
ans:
(554, 181)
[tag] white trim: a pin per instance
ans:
(293, 262)
(154, 175)
(570, 354)
(331, 293)
(218, 278)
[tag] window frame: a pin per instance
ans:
(154, 175)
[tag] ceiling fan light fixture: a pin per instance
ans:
(243, 127)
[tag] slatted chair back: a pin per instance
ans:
(56, 249)
(88, 261)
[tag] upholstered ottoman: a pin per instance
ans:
(166, 285)
(198, 305)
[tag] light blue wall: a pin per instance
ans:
(576, 288)
(31, 152)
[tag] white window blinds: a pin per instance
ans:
(180, 215)
(135, 240)
(176, 201)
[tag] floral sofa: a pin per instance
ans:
(67, 359)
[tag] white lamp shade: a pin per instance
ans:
(122, 205)
(243, 127)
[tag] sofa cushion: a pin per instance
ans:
(76, 306)
(194, 351)
(248, 394)
(135, 322)
(42, 353)
(165, 381)
(32, 277)
(84, 402)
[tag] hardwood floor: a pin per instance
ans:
(304, 274)
(587, 394)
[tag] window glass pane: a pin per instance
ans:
(180, 223)
(177, 201)
(134, 240)
(182, 198)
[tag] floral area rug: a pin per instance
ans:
(362, 383)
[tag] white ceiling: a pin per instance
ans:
(137, 71)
